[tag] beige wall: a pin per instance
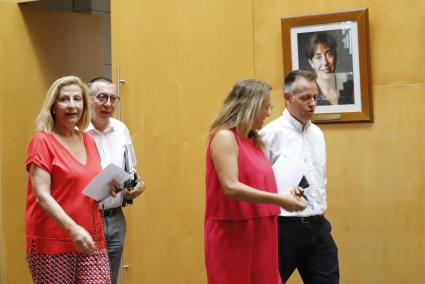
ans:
(37, 46)
(179, 59)
(375, 171)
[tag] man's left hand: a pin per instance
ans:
(136, 191)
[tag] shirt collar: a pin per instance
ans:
(295, 124)
(109, 128)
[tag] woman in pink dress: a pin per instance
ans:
(64, 234)
(242, 203)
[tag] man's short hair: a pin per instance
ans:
(294, 76)
(92, 83)
(100, 79)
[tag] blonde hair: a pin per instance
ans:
(240, 108)
(45, 119)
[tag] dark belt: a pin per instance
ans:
(300, 220)
(110, 212)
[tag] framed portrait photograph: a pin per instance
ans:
(336, 47)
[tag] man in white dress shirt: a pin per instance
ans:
(305, 240)
(111, 136)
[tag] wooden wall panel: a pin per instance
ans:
(37, 47)
(178, 65)
(375, 180)
(396, 37)
(179, 59)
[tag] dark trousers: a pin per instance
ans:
(307, 245)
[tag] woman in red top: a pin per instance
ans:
(242, 202)
(63, 227)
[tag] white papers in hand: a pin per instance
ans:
(288, 174)
(98, 188)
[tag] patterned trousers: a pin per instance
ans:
(70, 267)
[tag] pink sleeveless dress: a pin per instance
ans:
(241, 237)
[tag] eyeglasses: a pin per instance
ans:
(103, 98)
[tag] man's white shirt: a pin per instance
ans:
(285, 139)
(110, 145)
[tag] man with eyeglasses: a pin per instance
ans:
(111, 136)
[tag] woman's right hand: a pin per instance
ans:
(83, 240)
(291, 202)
